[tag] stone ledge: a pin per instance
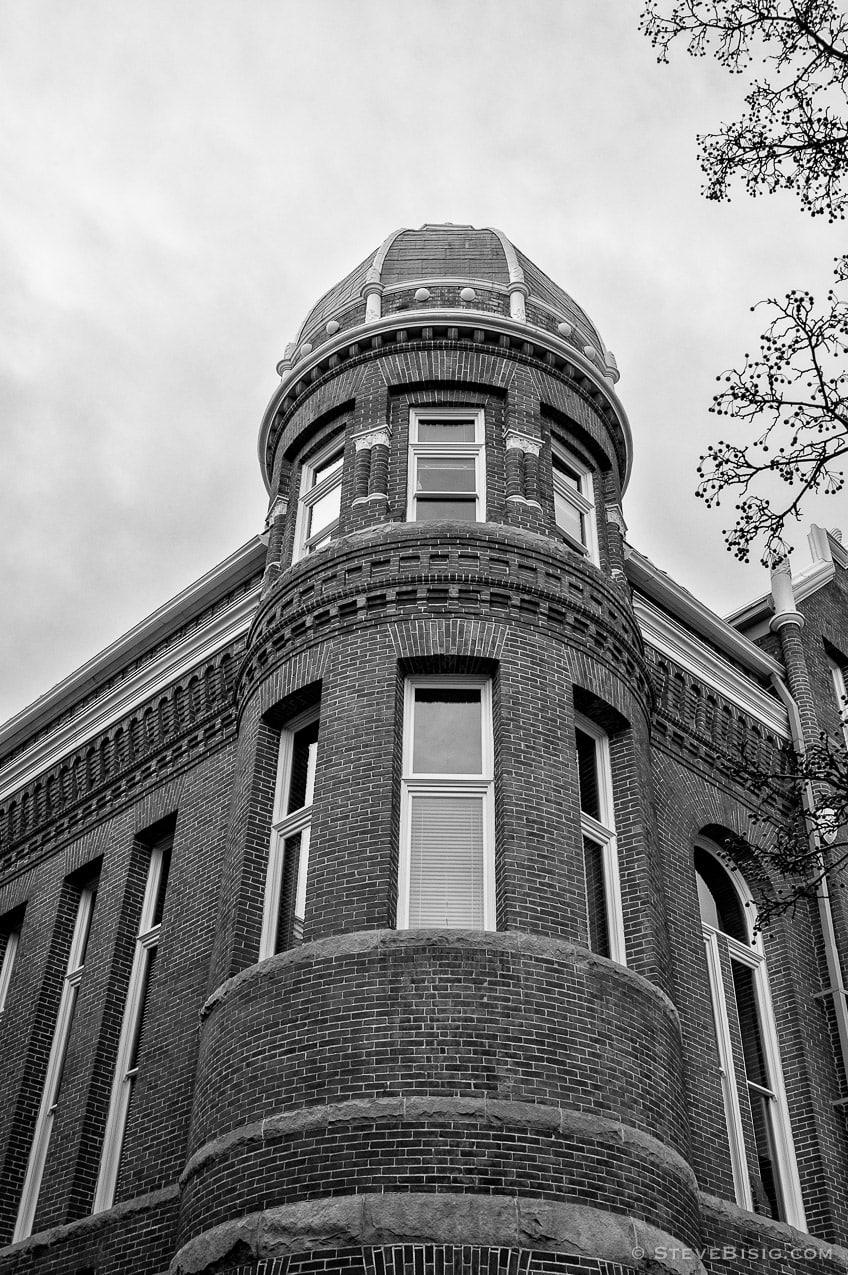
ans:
(93, 1224)
(509, 1114)
(417, 1218)
(361, 941)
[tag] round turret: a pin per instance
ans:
(444, 993)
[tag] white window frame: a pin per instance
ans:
(475, 449)
(284, 826)
(310, 494)
(583, 500)
(481, 785)
(125, 1075)
(752, 955)
(602, 833)
(837, 672)
(55, 1064)
(10, 951)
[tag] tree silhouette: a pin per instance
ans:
(797, 840)
(790, 397)
(794, 134)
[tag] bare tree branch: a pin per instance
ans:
(778, 852)
(793, 398)
(793, 134)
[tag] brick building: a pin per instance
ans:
(361, 910)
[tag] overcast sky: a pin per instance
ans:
(181, 180)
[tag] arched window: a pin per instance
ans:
(762, 1155)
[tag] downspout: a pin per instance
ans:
(787, 615)
(837, 990)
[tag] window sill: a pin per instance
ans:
(575, 544)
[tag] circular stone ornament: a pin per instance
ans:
(422, 294)
(306, 348)
(564, 329)
(332, 327)
(468, 294)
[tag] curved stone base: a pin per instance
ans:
(401, 1233)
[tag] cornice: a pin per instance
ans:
(668, 638)
(219, 630)
(585, 334)
(438, 317)
(643, 575)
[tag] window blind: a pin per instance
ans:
(446, 861)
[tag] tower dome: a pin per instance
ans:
(448, 261)
(446, 276)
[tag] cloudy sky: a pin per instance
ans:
(181, 181)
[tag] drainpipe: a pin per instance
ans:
(788, 622)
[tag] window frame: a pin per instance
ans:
(583, 499)
(475, 449)
(40, 1146)
(603, 834)
(310, 493)
(840, 687)
(752, 955)
(126, 1074)
(435, 784)
(7, 963)
(284, 826)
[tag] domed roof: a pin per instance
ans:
(448, 267)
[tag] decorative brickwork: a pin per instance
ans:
(142, 749)
(696, 721)
(431, 1259)
(408, 570)
(494, 360)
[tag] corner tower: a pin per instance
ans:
(439, 1013)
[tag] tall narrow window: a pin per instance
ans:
(10, 935)
(447, 853)
(837, 672)
(446, 466)
(600, 855)
(574, 507)
(132, 1027)
(288, 858)
(56, 1061)
(762, 1157)
(320, 500)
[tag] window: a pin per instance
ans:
(320, 500)
(446, 466)
(762, 1156)
(288, 858)
(837, 672)
(600, 856)
(574, 507)
(446, 877)
(55, 1063)
(10, 936)
(132, 1027)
